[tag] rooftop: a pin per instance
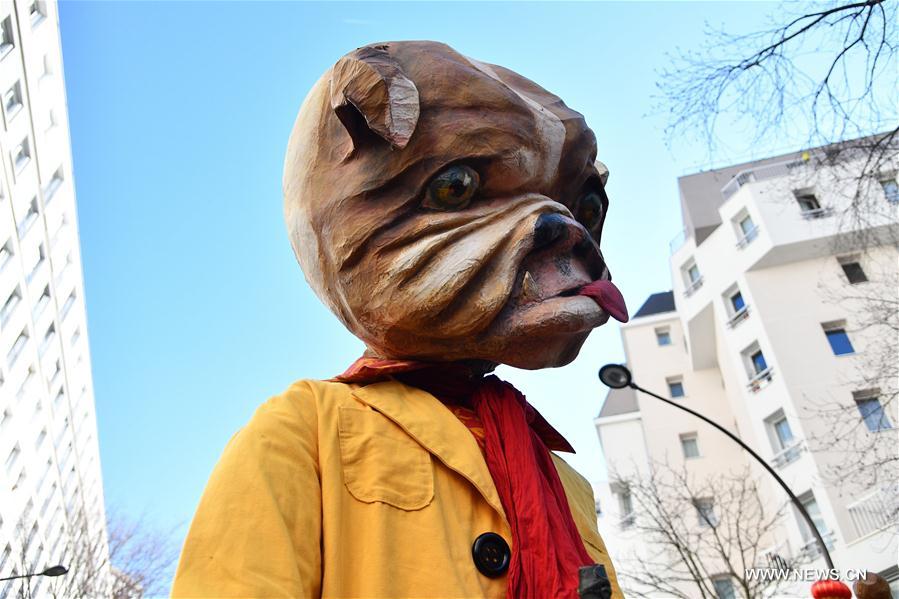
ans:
(657, 303)
(619, 401)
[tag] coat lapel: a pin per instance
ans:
(434, 427)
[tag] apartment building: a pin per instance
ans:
(51, 493)
(766, 332)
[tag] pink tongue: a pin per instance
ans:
(608, 297)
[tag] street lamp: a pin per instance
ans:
(617, 376)
(51, 571)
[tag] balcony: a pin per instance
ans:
(759, 173)
(693, 287)
(788, 454)
(811, 549)
(873, 511)
(738, 317)
(748, 237)
(760, 380)
(815, 213)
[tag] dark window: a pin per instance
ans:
(839, 342)
(737, 302)
(854, 272)
(676, 388)
(758, 362)
(873, 414)
(890, 190)
(808, 202)
(663, 336)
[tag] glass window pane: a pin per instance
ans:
(873, 414)
(737, 302)
(693, 273)
(663, 337)
(724, 589)
(690, 447)
(758, 362)
(676, 389)
(839, 342)
(784, 434)
(854, 272)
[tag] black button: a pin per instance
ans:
(491, 554)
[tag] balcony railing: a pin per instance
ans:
(817, 213)
(788, 454)
(692, 287)
(759, 173)
(760, 380)
(738, 317)
(748, 237)
(873, 511)
(811, 548)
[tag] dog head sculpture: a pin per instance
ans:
(446, 209)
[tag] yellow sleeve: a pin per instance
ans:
(257, 530)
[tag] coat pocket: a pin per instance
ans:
(381, 463)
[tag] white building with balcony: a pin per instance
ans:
(765, 330)
(51, 492)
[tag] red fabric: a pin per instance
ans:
(547, 550)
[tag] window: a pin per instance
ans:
(70, 301)
(625, 505)
(6, 40)
(869, 406)
(12, 100)
(29, 218)
(693, 273)
(838, 339)
(41, 255)
(705, 511)
(11, 302)
(689, 445)
(42, 302)
(12, 458)
(737, 303)
(6, 253)
(675, 387)
(890, 189)
(17, 348)
(692, 278)
(21, 155)
(782, 432)
(724, 587)
(853, 270)
(759, 364)
(746, 229)
(811, 506)
(37, 11)
(663, 336)
(51, 187)
(808, 202)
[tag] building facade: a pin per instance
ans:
(51, 492)
(768, 331)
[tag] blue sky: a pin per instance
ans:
(180, 115)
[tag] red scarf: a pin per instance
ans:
(547, 549)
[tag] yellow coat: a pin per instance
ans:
(337, 490)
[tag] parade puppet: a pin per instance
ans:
(449, 212)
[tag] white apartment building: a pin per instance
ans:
(762, 334)
(51, 492)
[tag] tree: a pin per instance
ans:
(827, 73)
(696, 532)
(142, 557)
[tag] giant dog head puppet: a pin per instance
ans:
(446, 209)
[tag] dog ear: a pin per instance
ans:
(368, 83)
(603, 172)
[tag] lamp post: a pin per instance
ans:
(51, 571)
(617, 376)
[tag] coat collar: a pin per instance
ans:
(435, 428)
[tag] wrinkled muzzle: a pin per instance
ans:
(438, 279)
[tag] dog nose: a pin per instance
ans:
(549, 228)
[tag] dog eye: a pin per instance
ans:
(589, 210)
(452, 188)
